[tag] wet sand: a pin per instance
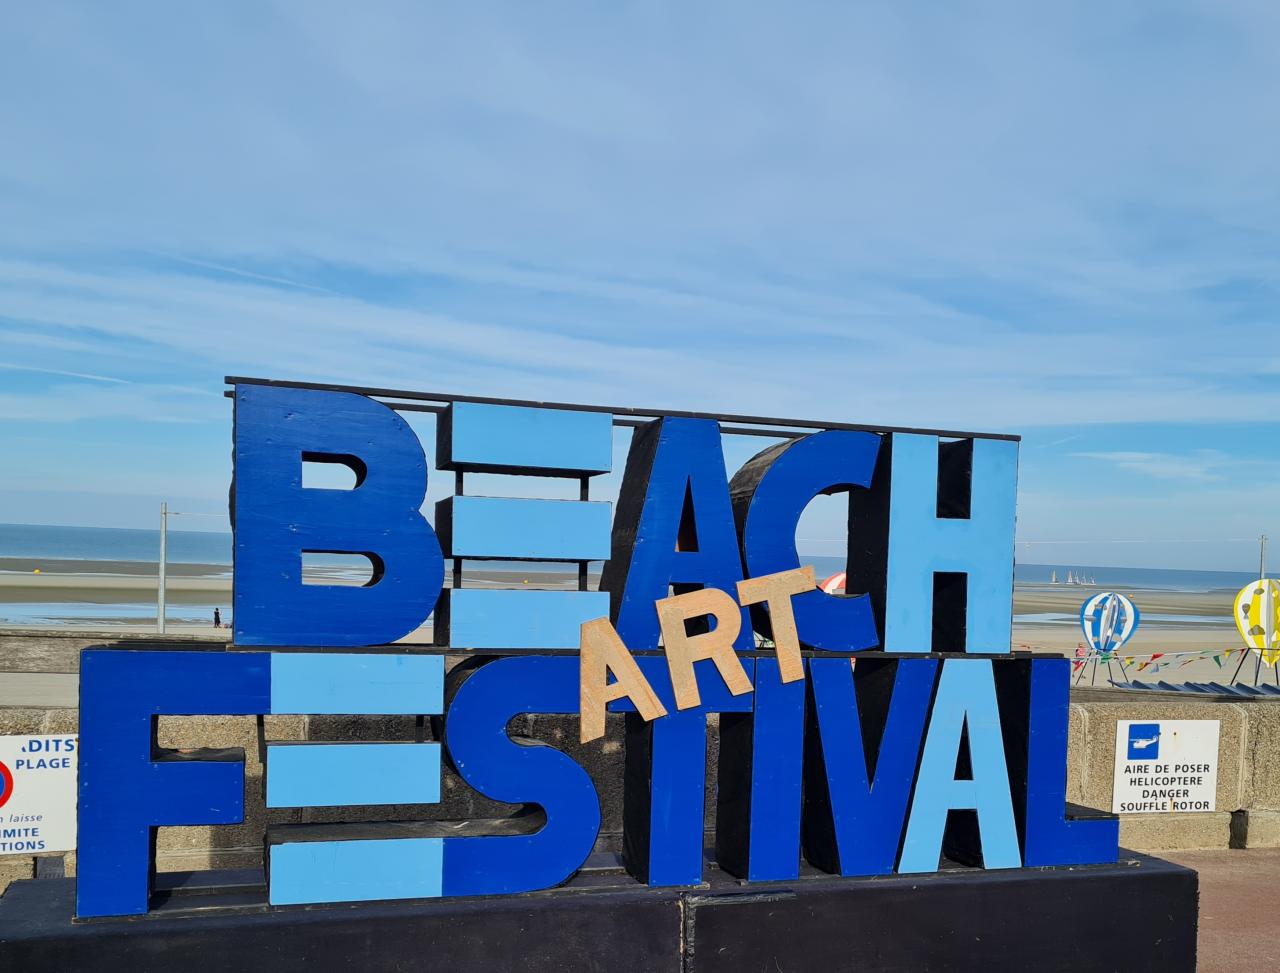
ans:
(1172, 622)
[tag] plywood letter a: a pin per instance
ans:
(602, 652)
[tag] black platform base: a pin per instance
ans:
(1136, 916)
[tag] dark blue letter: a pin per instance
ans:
(499, 768)
(674, 527)
(125, 791)
(277, 520)
(770, 493)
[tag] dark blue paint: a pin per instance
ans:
(688, 461)
(276, 519)
(501, 769)
(776, 764)
(124, 793)
(869, 811)
(826, 462)
(678, 768)
(1049, 838)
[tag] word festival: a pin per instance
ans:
(885, 729)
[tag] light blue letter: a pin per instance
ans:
(922, 543)
(966, 697)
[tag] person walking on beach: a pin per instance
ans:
(217, 618)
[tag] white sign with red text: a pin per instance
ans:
(37, 794)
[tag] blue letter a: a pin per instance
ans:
(674, 527)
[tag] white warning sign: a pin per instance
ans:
(1165, 766)
(37, 794)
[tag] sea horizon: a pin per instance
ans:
(130, 546)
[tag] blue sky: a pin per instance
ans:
(1058, 222)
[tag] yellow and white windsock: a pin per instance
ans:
(1257, 614)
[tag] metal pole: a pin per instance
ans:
(1262, 557)
(1244, 654)
(164, 557)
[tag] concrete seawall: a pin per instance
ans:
(37, 693)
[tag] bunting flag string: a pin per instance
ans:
(1155, 661)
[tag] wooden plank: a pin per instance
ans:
(348, 774)
(306, 872)
(511, 618)
(480, 438)
(323, 683)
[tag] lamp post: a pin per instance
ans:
(164, 556)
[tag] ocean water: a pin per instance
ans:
(214, 548)
(112, 544)
(1148, 579)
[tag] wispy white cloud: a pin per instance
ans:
(1062, 441)
(73, 403)
(61, 373)
(1204, 465)
(954, 370)
(1196, 466)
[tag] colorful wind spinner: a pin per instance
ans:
(1108, 620)
(1257, 615)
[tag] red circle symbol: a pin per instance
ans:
(6, 784)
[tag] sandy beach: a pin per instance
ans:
(65, 593)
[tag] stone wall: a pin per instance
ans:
(50, 650)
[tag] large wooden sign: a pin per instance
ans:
(866, 732)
